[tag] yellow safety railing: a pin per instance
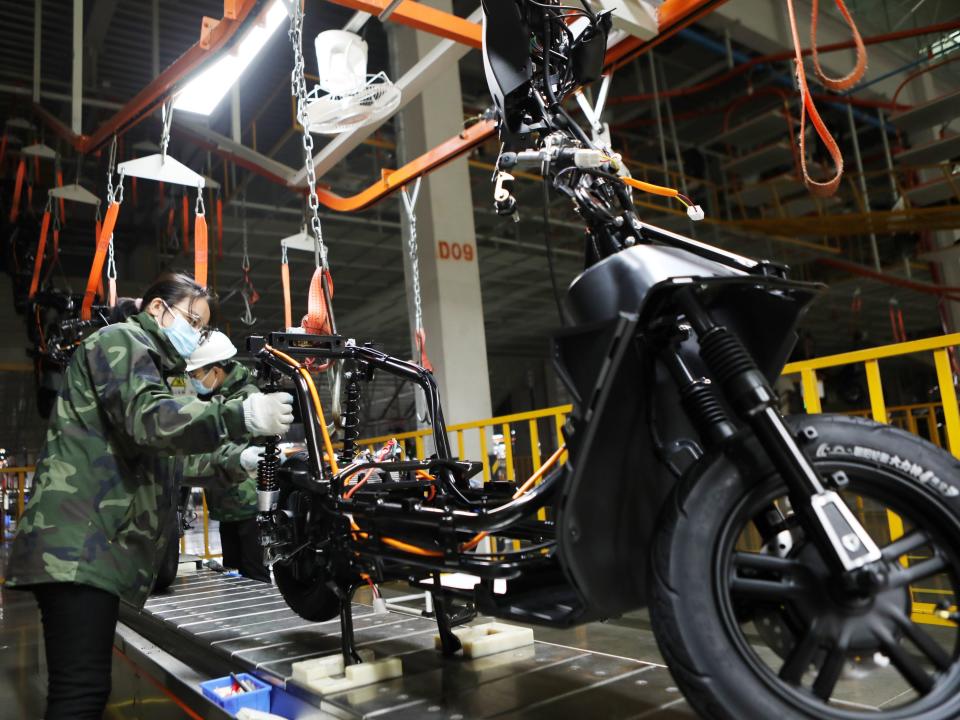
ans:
(922, 419)
(13, 493)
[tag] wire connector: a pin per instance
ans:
(588, 158)
(695, 213)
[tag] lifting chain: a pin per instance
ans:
(298, 87)
(409, 203)
(167, 117)
(248, 293)
(111, 164)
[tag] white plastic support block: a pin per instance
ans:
(329, 675)
(489, 638)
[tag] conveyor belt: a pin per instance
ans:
(228, 623)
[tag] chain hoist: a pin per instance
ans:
(409, 203)
(249, 292)
(298, 86)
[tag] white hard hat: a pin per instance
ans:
(214, 349)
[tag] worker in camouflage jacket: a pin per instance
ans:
(92, 533)
(229, 473)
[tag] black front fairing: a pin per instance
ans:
(628, 437)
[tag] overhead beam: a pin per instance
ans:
(37, 37)
(423, 17)
(76, 112)
(435, 62)
(98, 24)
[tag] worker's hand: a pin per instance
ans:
(288, 450)
(250, 458)
(268, 414)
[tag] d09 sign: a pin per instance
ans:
(455, 251)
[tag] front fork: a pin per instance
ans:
(845, 543)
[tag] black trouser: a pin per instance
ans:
(79, 622)
(240, 540)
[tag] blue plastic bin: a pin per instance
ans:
(258, 699)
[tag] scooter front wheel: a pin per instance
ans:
(755, 624)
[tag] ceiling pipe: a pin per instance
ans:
(786, 55)
(214, 36)
(947, 291)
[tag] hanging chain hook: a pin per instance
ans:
(166, 113)
(298, 87)
(111, 164)
(409, 203)
(111, 261)
(199, 209)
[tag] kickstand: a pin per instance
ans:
(449, 642)
(347, 643)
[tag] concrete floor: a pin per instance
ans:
(22, 677)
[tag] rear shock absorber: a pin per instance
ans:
(268, 489)
(351, 417)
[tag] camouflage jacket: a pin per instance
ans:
(230, 492)
(105, 485)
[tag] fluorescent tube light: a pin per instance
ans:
(205, 91)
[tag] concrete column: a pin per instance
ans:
(449, 266)
(923, 90)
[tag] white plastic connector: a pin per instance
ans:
(587, 158)
(695, 213)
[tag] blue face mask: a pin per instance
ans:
(200, 387)
(184, 338)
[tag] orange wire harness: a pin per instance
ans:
(393, 542)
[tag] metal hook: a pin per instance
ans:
(247, 318)
(199, 208)
(166, 113)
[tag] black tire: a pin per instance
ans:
(698, 619)
(171, 559)
(305, 590)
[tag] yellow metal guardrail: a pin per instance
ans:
(922, 419)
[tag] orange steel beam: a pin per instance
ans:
(214, 35)
(423, 17)
(394, 180)
(674, 15)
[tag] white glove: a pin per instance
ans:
(289, 449)
(268, 414)
(250, 459)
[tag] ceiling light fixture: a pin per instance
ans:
(205, 91)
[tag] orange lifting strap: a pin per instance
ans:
(18, 189)
(828, 187)
(317, 319)
(285, 282)
(63, 206)
(423, 361)
(103, 241)
(185, 203)
(41, 248)
(219, 227)
(200, 251)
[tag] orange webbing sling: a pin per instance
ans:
(317, 319)
(41, 248)
(63, 206)
(185, 204)
(285, 282)
(219, 227)
(200, 252)
(18, 189)
(807, 106)
(99, 256)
